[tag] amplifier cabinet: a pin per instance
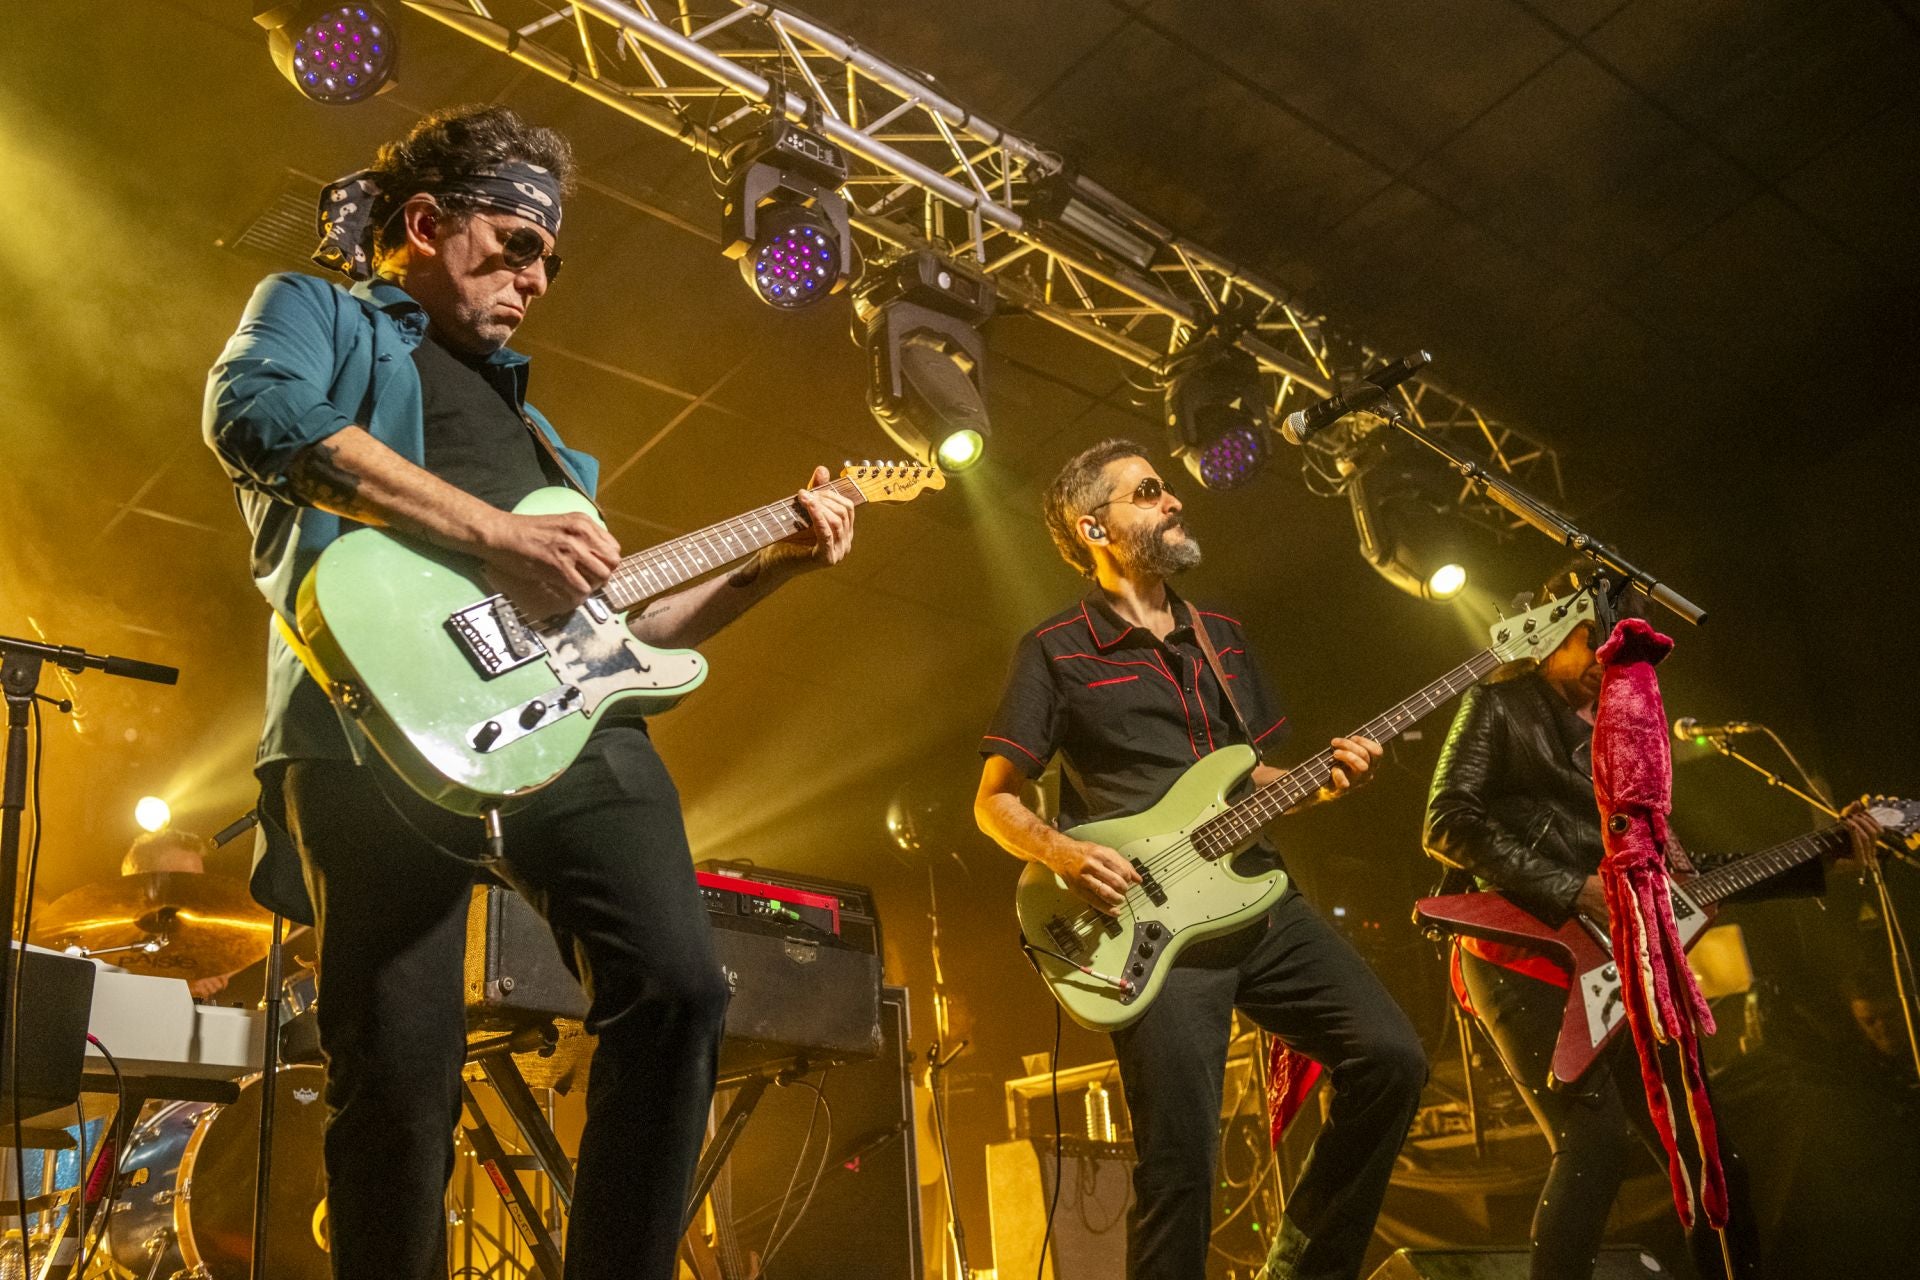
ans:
(797, 991)
(56, 997)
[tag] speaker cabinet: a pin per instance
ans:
(1089, 1239)
(1506, 1264)
(864, 1219)
(50, 1046)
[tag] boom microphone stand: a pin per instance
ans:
(20, 665)
(1897, 954)
(1616, 572)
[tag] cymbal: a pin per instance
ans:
(173, 924)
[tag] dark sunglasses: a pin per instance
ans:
(1145, 494)
(522, 247)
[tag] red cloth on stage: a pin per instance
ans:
(1633, 784)
(1290, 1078)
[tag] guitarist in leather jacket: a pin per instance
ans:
(1512, 807)
(1120, 688)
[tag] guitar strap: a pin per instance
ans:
(1213, 661)
(560, 464)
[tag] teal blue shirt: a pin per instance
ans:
(309, 359)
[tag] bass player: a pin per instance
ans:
(1121, 687)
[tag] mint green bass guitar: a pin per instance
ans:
(476, 706)
(1106, 970)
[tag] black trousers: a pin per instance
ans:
(1592, 1127)
(603, 855)
(1298, 979)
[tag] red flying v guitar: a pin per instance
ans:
(1595, 1010)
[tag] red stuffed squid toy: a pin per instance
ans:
(1633, 783)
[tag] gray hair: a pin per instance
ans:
(1075, 491)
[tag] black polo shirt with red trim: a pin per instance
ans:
(1127, 713)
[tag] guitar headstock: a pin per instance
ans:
(1532, 635)
(892, 481)
(1899, 818)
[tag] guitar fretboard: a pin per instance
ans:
(1768, 863)
(660, 569)
(1233, 827)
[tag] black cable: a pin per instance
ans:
(17, 972)
(774, 1242)
(376, 768)
(113, 1170)
(1059, 1147)
(81, 1170)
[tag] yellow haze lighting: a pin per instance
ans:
(152, 813)
(1446, 582)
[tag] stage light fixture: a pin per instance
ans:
(1446, 582)
(917, 317)
(1063, 199)
(1386, 543)
(784, 217)
(1219, 416)
(336, 54)
(152, 813)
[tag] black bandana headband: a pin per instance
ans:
(346, 208)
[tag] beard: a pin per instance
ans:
(1153, 550)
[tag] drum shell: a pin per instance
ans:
(199, 1189)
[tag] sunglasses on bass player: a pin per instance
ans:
(1145, 494)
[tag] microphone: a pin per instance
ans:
(134, 669)
(1302, 423)
(1686, 728)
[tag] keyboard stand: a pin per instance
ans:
(492, 1059)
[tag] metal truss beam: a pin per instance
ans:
(925, 172)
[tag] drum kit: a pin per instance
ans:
(187, 1177)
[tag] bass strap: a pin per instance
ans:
(1213, 662)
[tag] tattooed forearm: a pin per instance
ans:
(317, 477)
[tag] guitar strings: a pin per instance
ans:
(1383, 728)
(627, 574)
(1164, 860)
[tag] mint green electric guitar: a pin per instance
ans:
(1105, 970)
(476, 706)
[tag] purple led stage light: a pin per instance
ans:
(343, 55)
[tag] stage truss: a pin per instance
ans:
(927, 173)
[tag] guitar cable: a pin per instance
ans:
(1120, 984)
(1059, 1145)
(490, 861)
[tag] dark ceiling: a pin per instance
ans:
(1673, 239)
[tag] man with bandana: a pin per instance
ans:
(1120, 686)
(397, 403)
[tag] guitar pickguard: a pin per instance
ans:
(596, 654)
(1600, 991)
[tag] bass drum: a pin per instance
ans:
(187, 1187)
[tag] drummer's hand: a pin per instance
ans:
(207, 988)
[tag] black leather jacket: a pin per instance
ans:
(1512, 798)
(1512, 803)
